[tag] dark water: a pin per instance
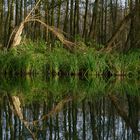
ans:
(69, 108)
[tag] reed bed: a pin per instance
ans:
(39, 57)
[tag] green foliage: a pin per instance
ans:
(35, 58)
(124, 64)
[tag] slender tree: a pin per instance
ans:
(1, 19)
(46, 19)
(59, 14)
(78, 16)
(93, 26)
(66, 17)
(85, 19)
(71, 18)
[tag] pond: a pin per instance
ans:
(69, 108)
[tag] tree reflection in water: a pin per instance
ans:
(75, 116)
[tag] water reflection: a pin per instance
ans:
(70, 109)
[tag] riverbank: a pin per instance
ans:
(35, 58)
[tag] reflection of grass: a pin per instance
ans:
(35, 89)
(127, 86)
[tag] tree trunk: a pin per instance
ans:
(78, 16)
(46, 20)
(92, 31)
(59, 14)
(85, 19)
(71, 18)
(66, 17)
(1, 21)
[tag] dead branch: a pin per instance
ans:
(15, 37)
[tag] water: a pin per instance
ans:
(69, 109)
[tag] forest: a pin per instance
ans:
(70, 37)
(70, 69)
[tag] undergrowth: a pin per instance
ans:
(39, 57)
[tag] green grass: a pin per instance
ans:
(38, 57)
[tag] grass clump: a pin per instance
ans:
(39, 57)
(24, 59)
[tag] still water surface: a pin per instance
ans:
(69, 109)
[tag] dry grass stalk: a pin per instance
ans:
(56, 32)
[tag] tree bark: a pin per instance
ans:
(85, 19)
